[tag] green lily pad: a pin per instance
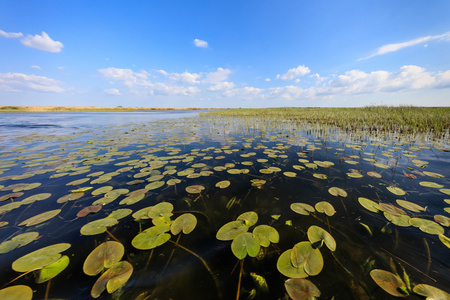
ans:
(431, 184)
(325, 207)
(223, 184)
(231, 230)
(286, 268)
(16, 292)
(163, 209)
(374, 174)
(258, 183)
(396, 190)
(304, 255)
(40, 218)
(103, 257)
(301, 289)
(102, 190)
(98, 226)
(369, 204)
(445, 240)
(249, 218)
(36, 197)
(427, 226)
(302, 208)
(389, 208)
(398, 219)
(290, 174)
(39, 258)
(320, 176)
(245, 244)
(335, 191)
(195, 189)
(120, 213)
(432, 174)
(317, 236)
(185, 222)
(152, 237)
(70, 197)
(266, 234)
(52, 270)
(443, 220)
(382, 166)
(113, 279)
(410, 206)
(445, 191)
(389, 282)
(431, 292)
(18, 241)
(354, 175)
(154, 185)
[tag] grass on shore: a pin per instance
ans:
(402, 119)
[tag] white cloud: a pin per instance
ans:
(11, 35)
(35, 67)
(200, 43)
(398, 46)
(113, 92)
(222, 86)
(18, 82)
(42, 42)
(267, 79)
(187, 78)
(294, 73)
(217, 76)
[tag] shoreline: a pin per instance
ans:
(34, 109)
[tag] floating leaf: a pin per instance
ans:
(431, 292)
(39, 258)
(152, 237)
(154, 185)
(432, 174)
(40, 218)
(431, 184)
(410, 176)
(301, 289)
(245, 244)
(304, 255)
(52, 270)
(354, 175)
(445, 240)
(89, 210)
(70, 197)
(325, 207)
(120, 213)
(82, 190)
(389, 208)
(249, 218)
(16, 292)
(374, 174)
(302, 208)
(195, 189)
(102, 190)
(36, 197)
(98, 226)
(335, 191)
(410, 206)
(398, 219)
(317, 235)
(427, 226)
(320, 176)
(163, 209)
(185, 222)
(223, 184)
(231, 230)
(369, 204)
(113, 279)
(103, 257)
(258, 183)
(396, 190)
(11, 196)
(18, 241)
(290, 174)
(266, 234)
(382, 166)
(443, 220)
(286, 268)
(389, 282)
(445, 191)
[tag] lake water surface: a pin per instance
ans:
(203, 207)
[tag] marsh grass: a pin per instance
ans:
(402, 119)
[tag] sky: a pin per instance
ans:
(220, 54)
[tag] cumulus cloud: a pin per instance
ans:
(18, 82)
(115, 92)
(42, 42)
(398, 46)
(294, 73)
(35, 67)
(200, 43)
(217, 76)
(186, 78)
(222, 86)
(11, 35)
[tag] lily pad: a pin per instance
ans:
(103, 257)
(431, 184)
(18, 241)
(16, 292)
(305, 256)
(40, 218)
(396, 190)
(317, 236)
(431, 292)
(427, 226)
(302, 208)
(154, 185)
(249, 218)
(335, 191)
(369, 204)
(185, 222)
(152, 237)
(52, 270)
(163, 209)
(410, 206)
(195, 189)
(39, 258)
(398, 219)
(223, 184)
(443, 220)
(89, 210)
(286, 268)
(325, 207)
(432, 174)
(389, 282)
(445, 240)
(245, 244)
(113, 279)
(36, 197)
(301, 289)
(98, 226)
(231, 230)
(266, 234)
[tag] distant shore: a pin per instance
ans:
(8, 108)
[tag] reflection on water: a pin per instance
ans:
(269, 166)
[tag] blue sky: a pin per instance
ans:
(231, 53)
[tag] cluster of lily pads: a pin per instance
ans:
(141, 176)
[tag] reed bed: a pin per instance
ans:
(402, 119)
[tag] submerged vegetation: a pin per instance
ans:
(402, 119)
(224, 208)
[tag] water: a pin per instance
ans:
(60, 152)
